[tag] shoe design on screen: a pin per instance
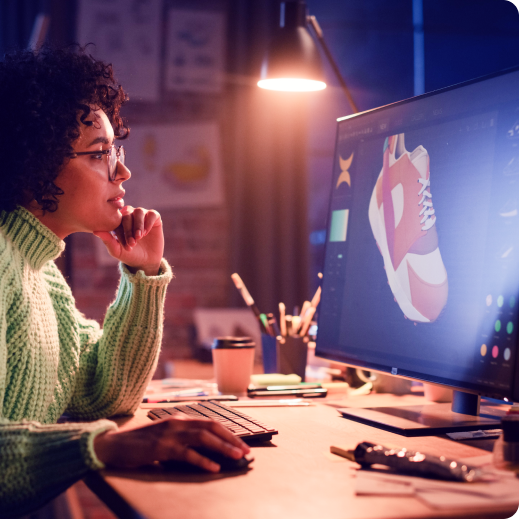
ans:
(403, 222)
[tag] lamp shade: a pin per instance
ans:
(292, 61)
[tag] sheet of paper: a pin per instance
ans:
(441, 494)
(365, 486)
(441, 499)
(294, 402)
(174, 165)
(125, 33)
(195, 51)
(470, 435)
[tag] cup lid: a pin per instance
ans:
(232, 343)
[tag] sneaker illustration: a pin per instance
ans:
(402, 220)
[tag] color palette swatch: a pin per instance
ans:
(339, 226)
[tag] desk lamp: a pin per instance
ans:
(292, 62)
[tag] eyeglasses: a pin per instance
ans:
(114, 154)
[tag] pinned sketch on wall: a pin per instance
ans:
(125, 33)
(174, 166)
(195, 51)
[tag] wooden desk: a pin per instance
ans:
(294, 476)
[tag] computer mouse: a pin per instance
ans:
(226, 464)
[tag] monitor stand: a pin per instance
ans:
(464, 414)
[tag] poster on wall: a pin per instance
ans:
(174, 165)
(195, 49)
(125, 33)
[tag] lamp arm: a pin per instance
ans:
(319, 34)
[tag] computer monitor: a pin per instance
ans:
(421, 271)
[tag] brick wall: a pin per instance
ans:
(197, 245)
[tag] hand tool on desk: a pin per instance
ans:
(412, 463)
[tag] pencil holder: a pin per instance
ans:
(286, 356)
(292, 356)
(269, 353)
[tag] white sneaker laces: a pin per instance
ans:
(427, 206)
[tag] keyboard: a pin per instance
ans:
(240, 424)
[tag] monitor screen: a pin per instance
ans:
(421, 273)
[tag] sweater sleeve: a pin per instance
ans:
(39, 462)
(117, 363)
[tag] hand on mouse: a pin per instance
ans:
(169, 439)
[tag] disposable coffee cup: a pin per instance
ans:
(233, 358)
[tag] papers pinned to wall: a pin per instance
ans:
(174, 166)
(127, 34)
(195, 49)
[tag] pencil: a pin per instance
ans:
(282, 321)
(304, 308)
(273, 325)
(316, 298)
(307, 321)
(296, 323)
(240, 285)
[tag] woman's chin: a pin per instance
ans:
(109, 224)
(116, 221)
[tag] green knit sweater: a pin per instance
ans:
(53, 360)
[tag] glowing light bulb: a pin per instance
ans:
(291, 84)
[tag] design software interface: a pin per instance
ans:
(422, 258)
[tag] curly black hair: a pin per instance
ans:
(46, 96)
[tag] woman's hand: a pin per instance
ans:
(138, 241)
(169, 439)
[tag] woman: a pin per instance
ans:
(60, 174)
